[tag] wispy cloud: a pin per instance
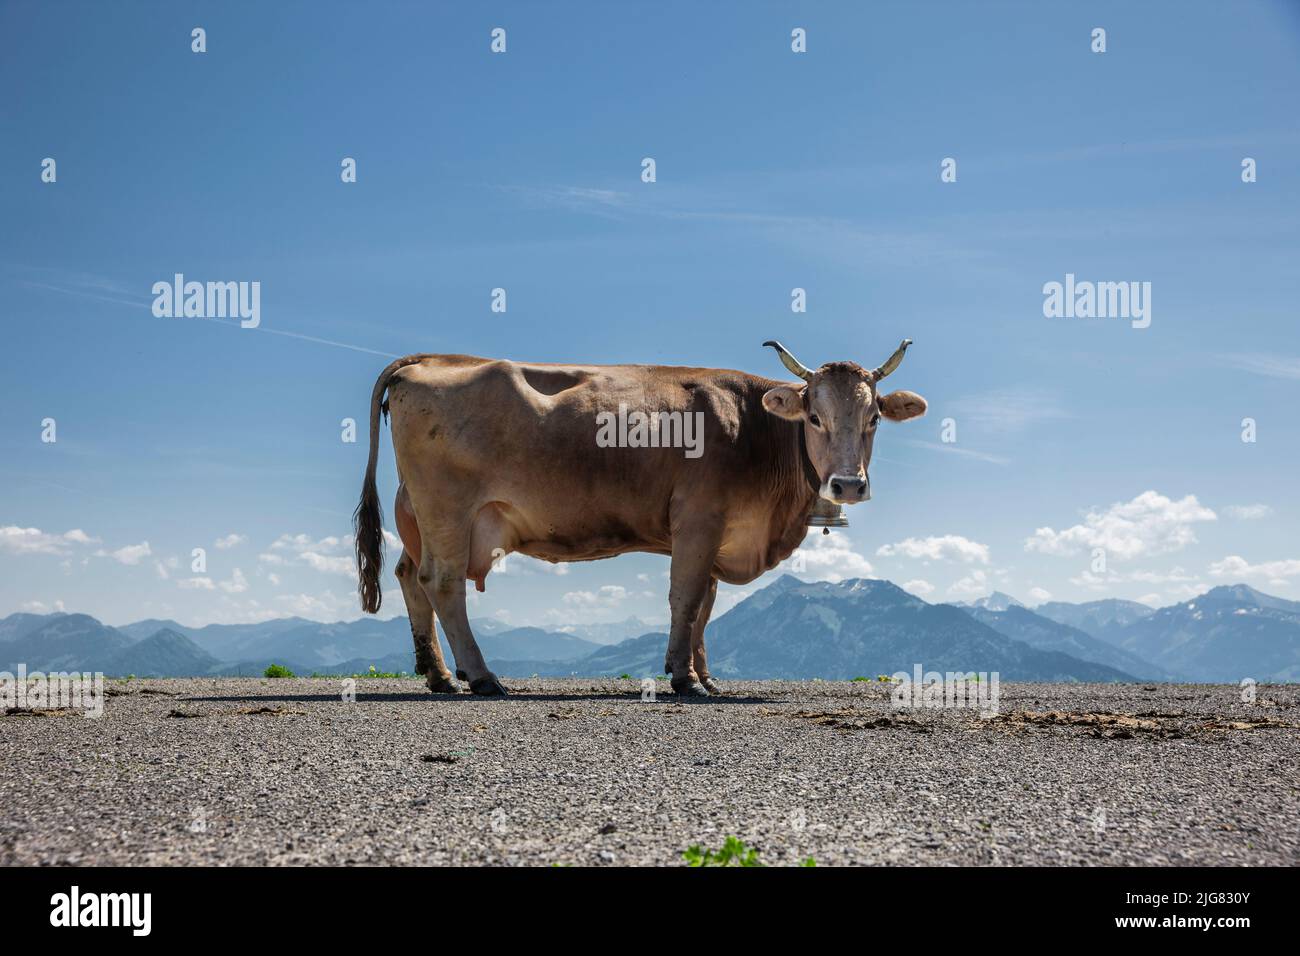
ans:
(1272, 366)
(948, 547)
(954, 449)
(1248, 512)
(114, 291)
(601, 202)
(1008, 411)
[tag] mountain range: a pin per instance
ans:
(789, 630)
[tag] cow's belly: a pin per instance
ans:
(748, 551)
(502, 527)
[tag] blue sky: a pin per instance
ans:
(775, 170)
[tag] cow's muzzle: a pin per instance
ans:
(847, 489)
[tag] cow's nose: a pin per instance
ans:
(850, 488)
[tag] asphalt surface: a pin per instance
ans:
(583, 772)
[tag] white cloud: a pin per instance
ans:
(831, 558)
(919, 587)
(237, 583)
(976, 584)
(1040, 595)
(298, 543)
(1101, 582)
(16, 540)
(609, 595)
(1235, 566)
(328, 564)
(326, 606)
(131, 553)
(1173, 575)
(196, 584)
(40, 607)
(1248, 512)
(1149, 524)
(229, 541)
(948, 547)
(328, 555)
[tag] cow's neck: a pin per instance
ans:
(809, 471)
(797, 487)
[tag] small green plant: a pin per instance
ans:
(808, 861)
(378, 673)
(857, 679)
(277, 670)
(734, 852)
(625, 677)
(884, 678)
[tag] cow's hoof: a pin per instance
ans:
(712, 686)
(488, 686)
(686, 687)
(442, 685)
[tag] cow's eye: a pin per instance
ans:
(875, 419)
(816, 422)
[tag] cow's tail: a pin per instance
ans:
(368, 519)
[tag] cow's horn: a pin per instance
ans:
(892, 362)
(789, 361)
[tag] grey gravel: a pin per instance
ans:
(583, 772)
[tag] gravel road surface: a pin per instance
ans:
(583, 772)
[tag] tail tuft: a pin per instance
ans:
(368, 531)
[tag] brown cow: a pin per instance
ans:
(496, 457)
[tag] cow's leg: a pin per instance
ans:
(443, 580)
(428, 655)
(695, 547)
(428, 652)
(698, 655)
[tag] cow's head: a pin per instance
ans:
(840, 407)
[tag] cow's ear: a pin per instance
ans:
(900, 406)
(784, 402)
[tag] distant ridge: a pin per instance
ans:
(790, 629)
